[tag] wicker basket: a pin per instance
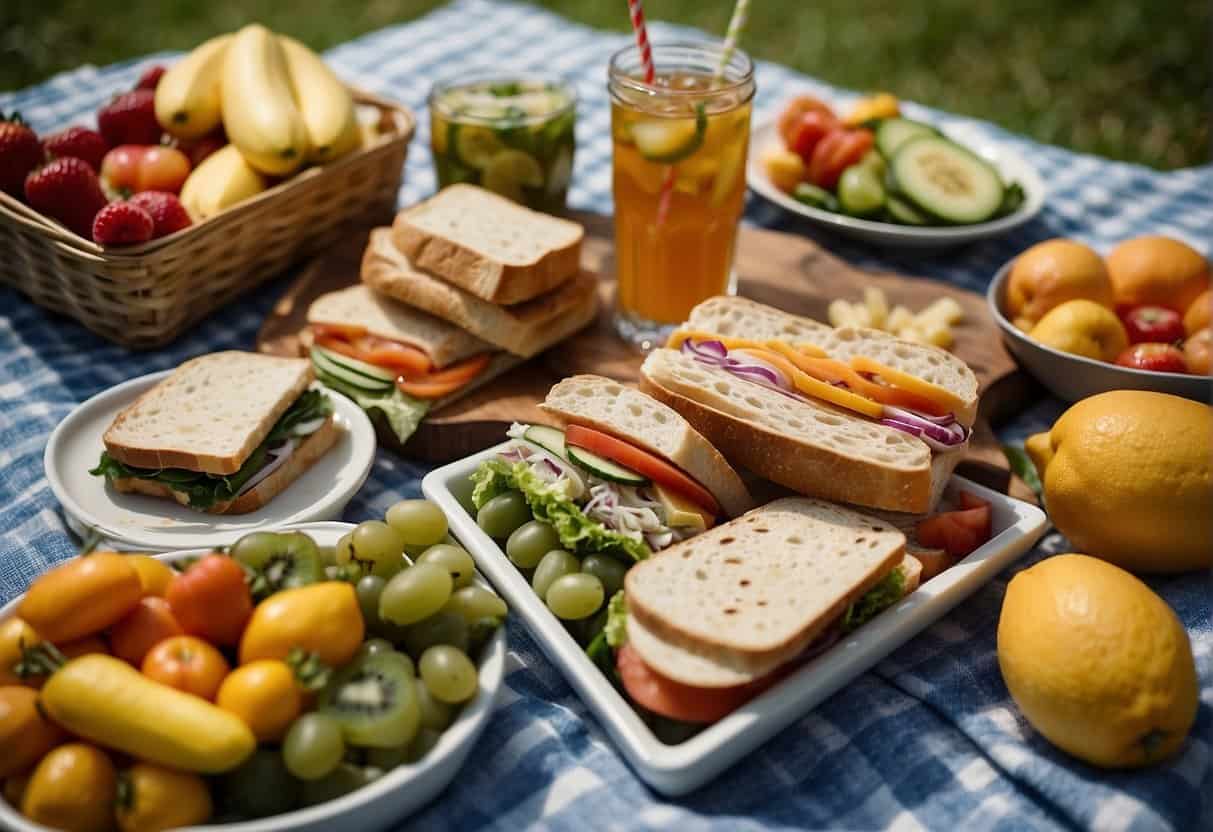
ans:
(145, 296)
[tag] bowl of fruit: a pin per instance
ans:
(212, 174)
(314, 677)
(1135, 319)
(878, 176)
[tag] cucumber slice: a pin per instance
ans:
(510, 171)
(475, 146)
(892, 133)
(346, 376)
(903, 212)
(860, 192)
(550, 439)
(815, 197)
(604, 468)
(946, 180)
(669, 140)
(371, 371)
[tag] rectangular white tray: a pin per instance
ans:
(677, 769)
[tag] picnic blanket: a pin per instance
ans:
(929, 739)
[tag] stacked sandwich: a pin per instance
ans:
(461, 288)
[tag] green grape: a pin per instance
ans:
(369, 589)
(435, 714)
(573, 597)
(473, 602)
(454, 559)
(419, 522)
(416, 593)
(606, 569)
(555, 564)
(342, 780)
(500, 516)
(530, 542)
(343, 552)
(586, 630)
(313, 746)
(423, 743)
(440, 628)
(376, 541)
(448, 673)
(328, 555)
(479, 633)
(372, 646)
(388, 758)
(260, 786)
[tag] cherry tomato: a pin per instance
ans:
(154, 798)
(1198, 352)
(148, 624)
(841, 148)
(136, 167)
(15, 636)
(188, 664)
(813, 127)
(210, 599)
(1159, 358)
(1152, 324)
(74, 787)
(263, 693)
(675, 700)
(789, 119)
(25, 733)
(85, 646)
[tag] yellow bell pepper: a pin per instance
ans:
(880, 105)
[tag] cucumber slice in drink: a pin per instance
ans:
(892, 133)
(510, 171)
(475, 146)
(550, 439)
(946, 180)
(669, 140)
(604, 468)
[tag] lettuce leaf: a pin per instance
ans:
(875, 601)
(402, 413)
(616, 628)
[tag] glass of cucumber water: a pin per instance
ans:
(512, 134)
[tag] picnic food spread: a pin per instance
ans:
(774, 507)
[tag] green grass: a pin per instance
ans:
(1120, 78)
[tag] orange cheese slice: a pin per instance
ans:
(816, 388)
(948, 401)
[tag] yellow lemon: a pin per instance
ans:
(1097, 663)
(1082, 327)
(1128, 477)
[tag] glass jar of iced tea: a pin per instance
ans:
(679, 157)
(512, 134)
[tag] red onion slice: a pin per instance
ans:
(277, 459)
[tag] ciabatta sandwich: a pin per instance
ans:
(224, 433)
(846, 414)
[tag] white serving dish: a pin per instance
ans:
(396, 794)
(678, 769)
(1073, 377)
(134, 521)
(1009, 165)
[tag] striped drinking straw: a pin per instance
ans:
(636, 10)
(732, 35)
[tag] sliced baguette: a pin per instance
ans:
(310, 450)
(209, 414)
(734, 603)
(810, 447)
(524, 329)
(625, 412)
(494, 248)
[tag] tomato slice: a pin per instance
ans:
(444, 382)
(789, 119)
(933, 562)
(338, 344)
(957, 532)
(338, 330)
(968, 500)
(840, 149)
(642, 462)
(812, 128)
(675, 700)
(393, 355)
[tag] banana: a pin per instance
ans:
(223, 179)
(260, 113)
(187, 97)
(325, 103)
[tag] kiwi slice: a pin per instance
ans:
(278, 560)
(374, 701)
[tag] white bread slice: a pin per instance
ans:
(494, 248)
(749, 595)
(209, 414)
(625, 412)
(525, 329)
(311, 449)
(444, 343)
(810, 447)
(744, 318)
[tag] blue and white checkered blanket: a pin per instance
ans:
(928, 739)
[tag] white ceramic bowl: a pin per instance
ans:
(1009, 165)
(396, 794)
(1073, 377)
(134, 521)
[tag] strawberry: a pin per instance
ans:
(130, 119)
(66, 190)
(167, 212)
(79, 142)
(121, 223)
(20, 153)
(150, 78)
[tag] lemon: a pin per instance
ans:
(475, 146)
(1082, 327)
(1128, 477)
(510, 171)
(1097, 663)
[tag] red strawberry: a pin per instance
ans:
(79, 142)
(20, 153)
(150, 78)
(130, 119)
(121, 223)
(167, 212)
(66, 190)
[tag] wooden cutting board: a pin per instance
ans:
(784, 270)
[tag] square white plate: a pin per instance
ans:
(677, 769)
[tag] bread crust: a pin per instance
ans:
(311, 449)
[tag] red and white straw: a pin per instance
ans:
(636, 10)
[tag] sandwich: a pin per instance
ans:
(846, 414)
(223, 434)
(711, 623)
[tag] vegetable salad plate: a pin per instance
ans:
(677, 768)
(134, 521)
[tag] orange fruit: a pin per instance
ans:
(1200, 313)
(1053, 272)
(1157, 270)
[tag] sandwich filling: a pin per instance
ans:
(303, 418)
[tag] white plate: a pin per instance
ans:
(134, 521)
(399, 792)
(1010, 166)
(677, 769)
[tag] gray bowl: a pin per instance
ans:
(1074, 377)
